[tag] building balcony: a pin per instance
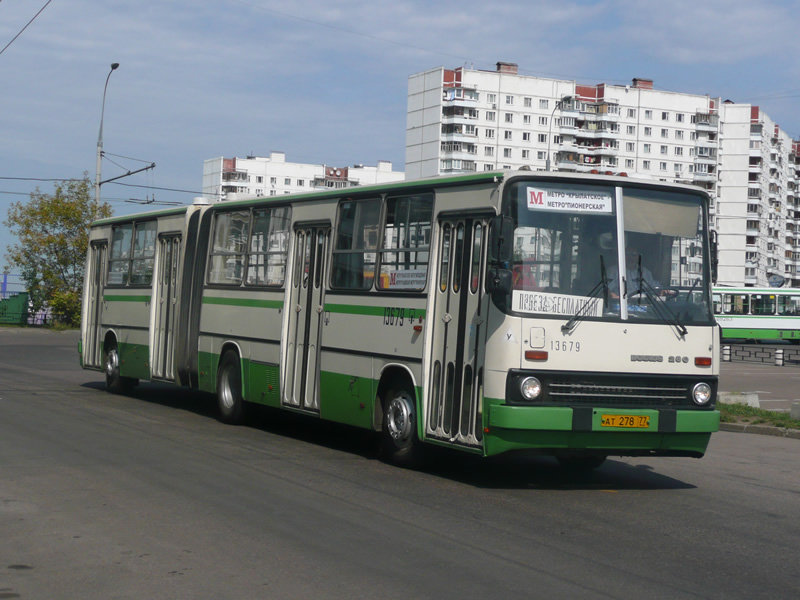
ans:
(595, 133)
(705, 160)
(704, 176)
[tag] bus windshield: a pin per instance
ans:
(576, 250)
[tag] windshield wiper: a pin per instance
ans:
(660, 308)
(589, 305)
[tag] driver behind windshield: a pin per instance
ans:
(632, 274)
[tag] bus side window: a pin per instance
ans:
(356, 247)
(736, 304)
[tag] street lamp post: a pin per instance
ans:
(114, 67)
(550, 130)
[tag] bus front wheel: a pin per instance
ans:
(400, 444)
(229, 390)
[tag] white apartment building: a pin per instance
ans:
(462, 120)
(273, 176)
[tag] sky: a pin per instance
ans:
(326, 82)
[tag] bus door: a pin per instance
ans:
(93, 343)
(455, 393)
(301, 389)
(166, 307)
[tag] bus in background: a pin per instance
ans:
(489, 313)
(764, 314)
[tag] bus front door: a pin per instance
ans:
(455, 393)
(166, 308)
(93, 340)
(301, 388)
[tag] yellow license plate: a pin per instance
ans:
(629, 421)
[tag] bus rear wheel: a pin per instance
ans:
(115, 383)
(229, 390)
(400, 444)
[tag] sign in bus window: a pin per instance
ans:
(406, 243)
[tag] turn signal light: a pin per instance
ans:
(535, 354)
(702, 361)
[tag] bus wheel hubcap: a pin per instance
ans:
(112, 361)
(399, 417)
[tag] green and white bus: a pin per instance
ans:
(494, 312)
(764, 314)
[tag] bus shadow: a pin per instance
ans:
(513, 471)
(546, 473)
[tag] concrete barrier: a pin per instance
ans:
(737, 398)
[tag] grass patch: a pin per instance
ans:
(741, 413)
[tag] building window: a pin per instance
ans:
(526, 119)
(679, 117)
(646, 165)
(662, 166)
(489, 133)
(544, 103)
(678, 151)
(526, 136)
(628, 163)
(526, 154)
(506, 152)
(543, 121)
(631, 129)
(287, 181)
(541, 155)
(665, 133)
(678, 168)
(542, 137)
(646, 148)
(648, 131)
(491, 98)
(259, 179)
(273, 180)
(665, 116)
(648, 114)
(510, 100)
(629, 146)
(509, 117)
(301, 183)
(527, 102)
(631, 113)
(488, 151)
(490, 115)
(663, 149)
(506, 135)
(679, 134)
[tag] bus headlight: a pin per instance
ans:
(531, 388)
(701, 394)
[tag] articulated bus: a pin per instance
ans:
(494, 312)
(765, 314)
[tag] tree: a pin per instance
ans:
(53, 234)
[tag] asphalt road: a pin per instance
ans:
(150, 496)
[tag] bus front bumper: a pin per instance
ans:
(611, 431)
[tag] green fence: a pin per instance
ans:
(14, 309)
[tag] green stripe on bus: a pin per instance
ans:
(248, 302)
(121, 298)
(372, 311)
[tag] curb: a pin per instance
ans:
(761, 430)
